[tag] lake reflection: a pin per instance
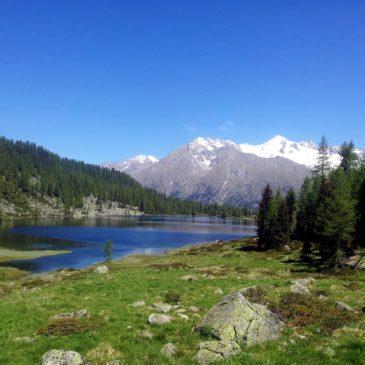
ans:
(85, 237)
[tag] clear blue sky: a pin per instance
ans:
(105, 80)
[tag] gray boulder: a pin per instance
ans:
(62, 357)
(162, 307)
(212, 351)
(169, 350)
(156, 318)
(299, 289)
(237, 319)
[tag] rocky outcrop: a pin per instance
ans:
(212, 351)
(62, 357)
(82, 313)
(236, 319)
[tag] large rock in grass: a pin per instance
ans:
(63, 357)
(212, 351)
(102, 269)
(236, 319)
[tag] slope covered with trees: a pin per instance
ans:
(328, 215)
(28, 171)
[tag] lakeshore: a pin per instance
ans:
(190, 277)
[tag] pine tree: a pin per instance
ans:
(263, 217)
(336, 215)
(348, 155)
(281, 228)
(360, 213)
(291, 201)
(323, 166)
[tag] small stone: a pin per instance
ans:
(159, 319)
(299, 289)
(328, 351)
(24, 339)
(219, 291)
(212, 351)
(181, 310)
(301, 337)
(183, 316)
(193, 308)
(344, 307)
(62, 357)
(188, 277)
(169, 350)
(304, 281)
(162, 307)
(102, 269)
(139, 303)
(292, 341)
(82, 313)
(286, 248)
(322, 297)
(147, 334)
(129, 327)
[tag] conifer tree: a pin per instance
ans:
(281, 225)
(291, 201)
(336, 218)
(360, 213)
(263, 217)
(348, 155)
(322, 166)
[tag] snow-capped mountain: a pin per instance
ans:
(136, 160)
(222, 171)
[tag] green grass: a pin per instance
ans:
(29, 303)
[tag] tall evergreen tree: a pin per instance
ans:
(281, 228)
(360, 216)
(291, 201)
(322, 166)
(336, 217)
(348, 155)
(263, 217)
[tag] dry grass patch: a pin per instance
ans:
(67, 326)
(301, 311)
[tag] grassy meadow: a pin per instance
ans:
(315, 332)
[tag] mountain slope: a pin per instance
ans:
(34, 181)
(210, 170)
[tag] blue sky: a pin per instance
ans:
(105, 80)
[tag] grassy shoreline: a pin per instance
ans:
(117, 330)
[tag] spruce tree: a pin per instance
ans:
(291, 201)
(348, 155)
(322, 166)
(263, 218)
(281, 225)
(336, 215)
(360, 216)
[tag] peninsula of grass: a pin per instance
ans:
(6, 255)
(316, 332)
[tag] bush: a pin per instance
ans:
(172, 297)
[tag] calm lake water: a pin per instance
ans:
(85, 237)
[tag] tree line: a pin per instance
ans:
(28, 170)
(328, 213)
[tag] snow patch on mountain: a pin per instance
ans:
(136, 160)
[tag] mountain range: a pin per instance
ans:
(221, 171)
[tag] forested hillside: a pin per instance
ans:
(31, 173)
